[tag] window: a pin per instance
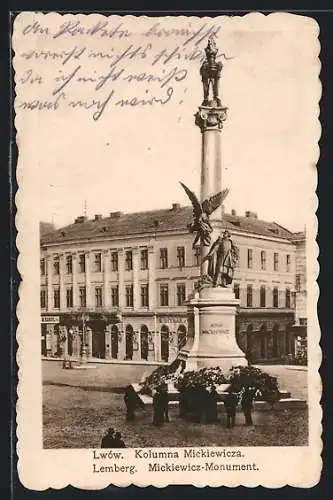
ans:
(129, 295)
(98, 262)
(303, 321)
(181, 294)
(298, 283)
(181, 257)
(69, 264)
(262, 296)
(164, 295)
(82, 263)
(249, 258)
(236, 290)
(263, 260)
(276, 261)
(56, 265)
(288, 262)
(115, 296)
(83, 296)
(163, 258)
(98, 296)
(144, 259)
(69, 297)
(43, 297)
(197, 256)
(249, 296)
(144, 296)
(42, 267)
(275, 297)
(114, 261)
(288, 296)
(128, 260)
(56, 298)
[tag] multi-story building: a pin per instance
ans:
(300, 327)
(117, 286)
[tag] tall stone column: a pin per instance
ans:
(210, 121)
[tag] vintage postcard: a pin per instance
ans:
(168, 329)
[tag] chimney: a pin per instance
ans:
(175, 206)
(251, 215)
(115, 215)
(81, 219)
(98, 217)
(233, 212)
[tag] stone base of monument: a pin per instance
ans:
(211, 340)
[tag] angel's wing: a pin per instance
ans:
(194, 200)
(210, 205)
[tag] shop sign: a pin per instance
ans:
(167, 319)
(50, 319)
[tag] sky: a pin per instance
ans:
(132, 157)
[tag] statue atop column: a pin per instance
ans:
(210, 73)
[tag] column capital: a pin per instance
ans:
(208, 118)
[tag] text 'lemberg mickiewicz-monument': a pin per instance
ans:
(212, 309)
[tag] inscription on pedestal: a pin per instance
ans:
(216, 329)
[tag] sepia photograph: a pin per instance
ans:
(166, 229)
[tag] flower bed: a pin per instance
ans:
(238, 378)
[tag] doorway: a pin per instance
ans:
(144, 342)
(129, 342)
(165, 343)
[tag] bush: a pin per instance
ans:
(249, 376)
(206, 377)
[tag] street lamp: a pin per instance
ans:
(83, 346)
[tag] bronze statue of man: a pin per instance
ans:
(222, 257)
(210, 73)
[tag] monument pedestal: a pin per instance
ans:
(212, 331)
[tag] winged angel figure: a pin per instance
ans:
(201, 213)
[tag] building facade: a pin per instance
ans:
(116, 287)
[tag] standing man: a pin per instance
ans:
(158, 410)
(165, 402)
(130, 403)
(247, 405)
(230, 404)
(212, 400)
(222, 257)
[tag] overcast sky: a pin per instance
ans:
(132, 158)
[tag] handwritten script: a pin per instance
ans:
(92, 65)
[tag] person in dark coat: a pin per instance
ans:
(158, 408)
(212, 399)
(108, 439)
(118, 442)
(165, 402)
(247, 405)
(230, 404)
(130, 402)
